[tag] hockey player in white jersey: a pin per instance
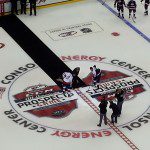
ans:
(96, 74)
(67, 79)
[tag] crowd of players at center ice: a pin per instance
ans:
(70, 81)
(131, 5)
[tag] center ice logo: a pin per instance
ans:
(47, 101)
(41, 101)
(112, 80)
(43, 104)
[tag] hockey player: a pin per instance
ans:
(93, 72)
(115, 113)
(146, 4)
(132, 8)
(23, 6)
(67, 81)
(96, 72)
(120, 7)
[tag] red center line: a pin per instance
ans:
(116, 129)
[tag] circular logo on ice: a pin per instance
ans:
(42, 105)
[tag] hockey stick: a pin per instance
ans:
(133, 19)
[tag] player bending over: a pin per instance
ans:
(66, 81)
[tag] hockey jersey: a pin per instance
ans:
(67, 77)
(119, 3)
(132, 4)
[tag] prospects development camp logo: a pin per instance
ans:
(41, 101)
(112, 80)
(48, 101)
(42, 106)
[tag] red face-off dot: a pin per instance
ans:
(115, 33)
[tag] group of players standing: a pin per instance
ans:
(116, 107)
(70, 81)
(131, 5)
(23, 4)
(120, 4)
(119, 96)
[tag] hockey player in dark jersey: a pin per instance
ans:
(132, 8)
(146, 4)
(96, 72)
(120, 7)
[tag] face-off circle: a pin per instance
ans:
(60, 111)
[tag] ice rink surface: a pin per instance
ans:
(81, 35)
